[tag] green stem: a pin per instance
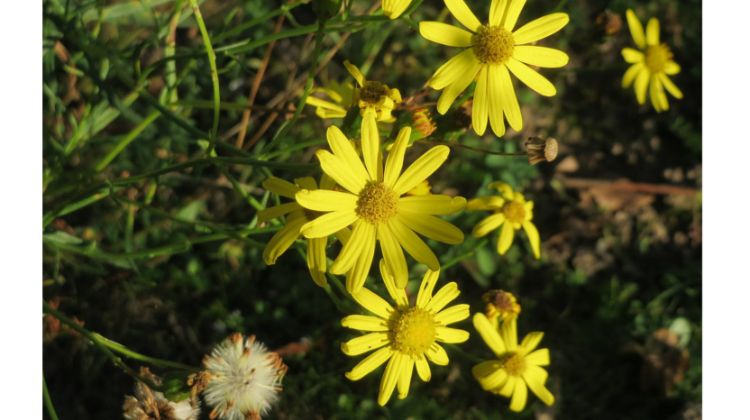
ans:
(214, 74)
(126, 140)
(48, 401)
(455, 260)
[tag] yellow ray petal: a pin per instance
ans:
(451, 335)
(538, 357)
(364, 343)
(490, 374)
(437, 355)
(495, 99)
(631, 74)
(326, 200)
(535, 381)
(533, 234)
(316, 260)
(371, 154)
(365, 323)
(445, 34)
(443, 297)
(431, 204)
(394, 8)
(463, 14)
(390, 377)
(509, 333)
(354, 71)
(432, 227)
(505, 239)
(425, 288)
(652, 32)
(508, 98)
(509, 387)
(404, 380)
(632, 56)
(481, 107)
(282, 240)
(653, 91)
(540, 28)
(393, 255)
(357, 276)
(669, 85)
(423, 368)
(489, 334)
(369, 363)
(397, 294)
(488, 224)
(497, 10)
(340, 172)
(373, 303)
(485, 203)
(395, 161)
(531, 78)
(421, 169)
(636, 29)
(277, 211)
(344, 149)
(641, 85)
(458, 68)
(413, 244)
(540, 56)
(452, 314)
(513, 12)
(530, 342)
(671, 68)
(280, 187)
(328, 224)
(354, 248)
(520, 394)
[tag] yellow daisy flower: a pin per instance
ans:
(336, 98)
(375, 203)
(652, 64)
(517, 368)
(296, 218)
(511, 213)
(394, 8)
(405, 335)
(501, 307)
(374, 95)
(491, 52)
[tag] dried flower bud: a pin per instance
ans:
(148, 404)
(422, 121)
(540, 150)
(609, 21)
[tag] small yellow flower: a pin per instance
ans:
(511, 213)
(336, 98)
(490, 53)
(652, 65)
(517, 368)
(374, 95)
(394, 8)
(405, 335)
(296, 218)
(501, 307)
(375, 203)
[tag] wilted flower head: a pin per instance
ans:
(243, 378)
(501, 306)
(541, 150)
(148, 404)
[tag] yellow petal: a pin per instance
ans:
(463, 14)
(509, 333)
(652, 32)
(632, 56)
(395, 161)
(365, 323)
(316, 260)
(508, 99)
(485, 203)
(364, 343)
(423, 368)
(437, 355)
(280, 187)
(641, 85)
(669, 85)
(531, 341)
(344, 149)
(540, 28)
(535, 381)
(452, 314)
(533, 234)
(354, 71)
(481, 107)
(443, 297)
(513, 12)
(277, 211)
(457, 68)
(445, 34)
(631, 74)
(489, 334)
(414, 245)
(431, 204)
(653, 91)
(451, 92)
(509, 387)
(671, 68)
(520, 394)
(490, 374)
(636, 29)
(488, 224)
(357, 276)
(538, 357)
(432, 227)
(394, 8)
(393, 255)
(371, 154)
(421, 169)
(495, 98)
(373, 303)
(340, 171)
(451, 335)
(531, 78)
(282, 240)
(404, 380)
(497, 10)
(397, 294)
(353, 249)
(425, 288)
(326, 200)
(390, 377)
(369, 363)
(540, 56)
(505, 239)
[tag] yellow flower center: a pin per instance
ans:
(514, 212)
(493, 44)
(412, 330)
(372, 91)
(515, 364)
(377, 203)
(657, 57)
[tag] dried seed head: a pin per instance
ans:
(541, 150)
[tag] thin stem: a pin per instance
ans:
(48, 400)
(214, 74)
(473, 149)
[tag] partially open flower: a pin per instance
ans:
(148, 404)
(501, 306)
(243, 378)
(541, 150)
(374, 95)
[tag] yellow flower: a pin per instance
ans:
(394, 8)
(517, 368)
(296, 218)
(404, 335)
(374, 204)
(491, 52)
(337, 98)
(501, 306)
(651, 66)
(511, 212)
(374, 95)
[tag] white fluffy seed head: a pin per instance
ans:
(244, 378)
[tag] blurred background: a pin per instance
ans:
(151, 244)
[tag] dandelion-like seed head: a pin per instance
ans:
(493, 44)
(514, 363)
(514, 211)
(412, 330)
(657, 57)
(244, 378)
(372, 91)
(377, 203)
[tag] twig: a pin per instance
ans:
(627, 186)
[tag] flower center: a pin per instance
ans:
(515, 364)
(377, 203)
(412, 331)
(372, 91)
(657, 57)
(514, 212)
(492, 44)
